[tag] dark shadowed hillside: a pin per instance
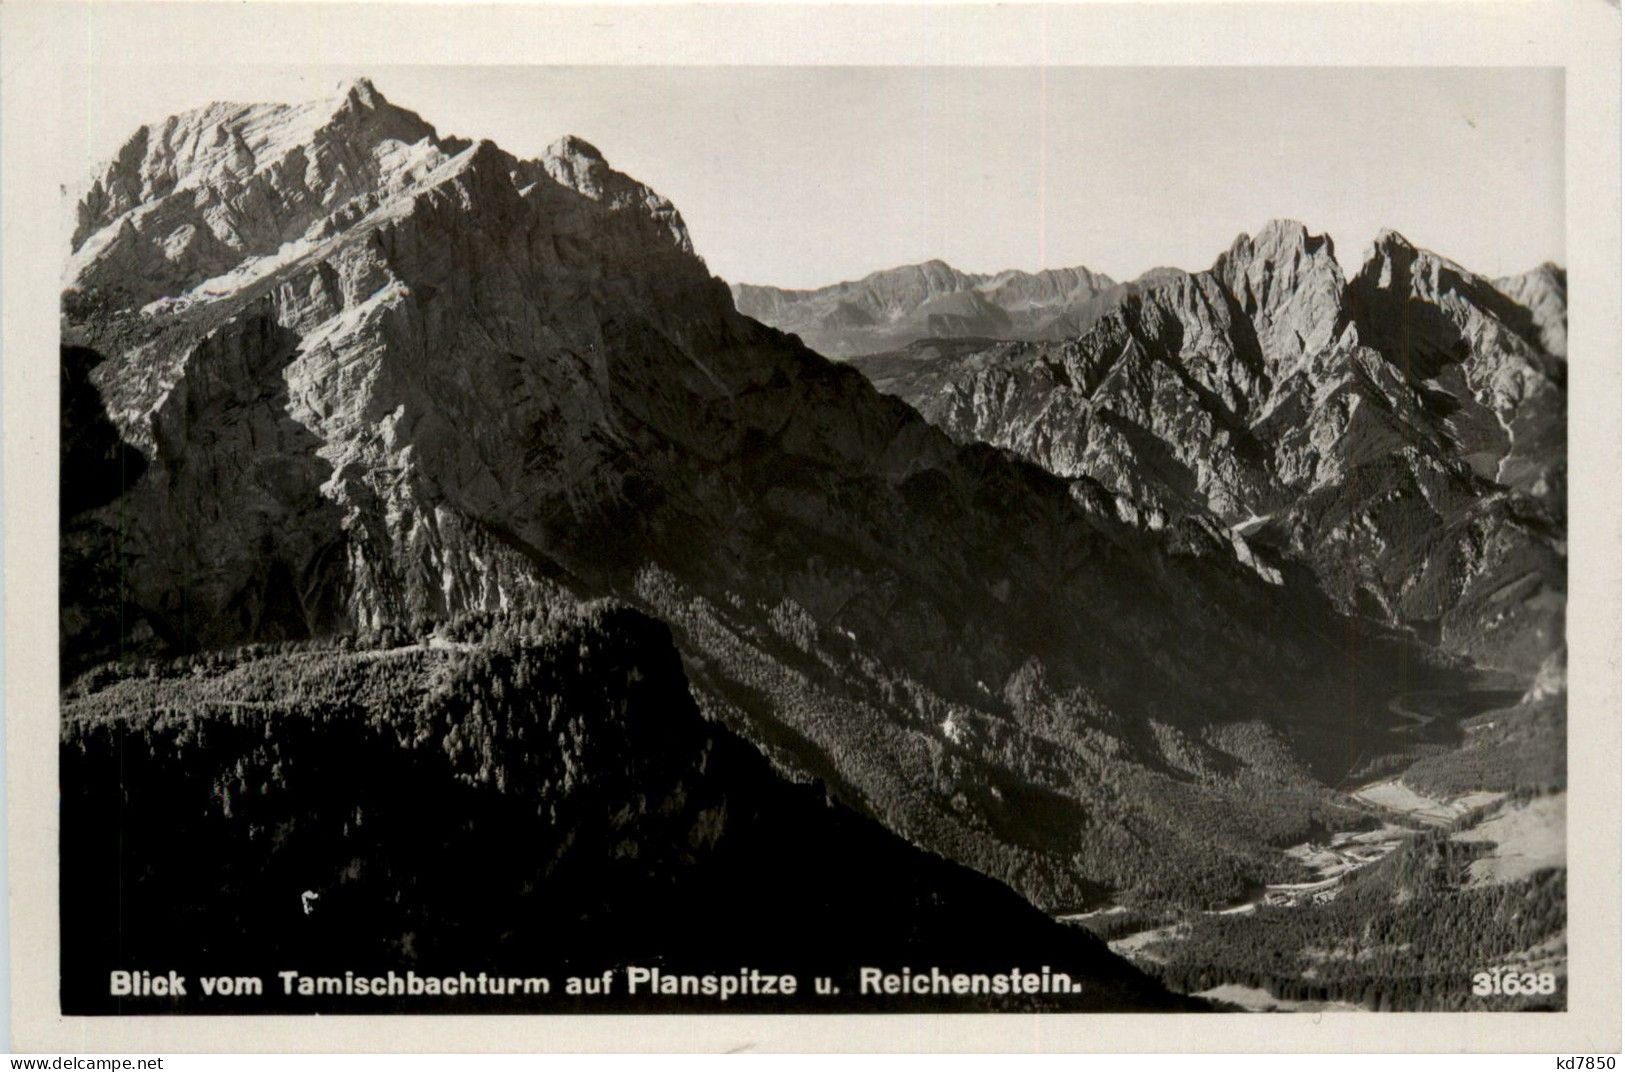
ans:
(529, 795)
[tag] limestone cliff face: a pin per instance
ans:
(377, 375)
(1402, 432)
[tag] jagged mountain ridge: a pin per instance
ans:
(1402, 431)
(484, 378)
(895, 306)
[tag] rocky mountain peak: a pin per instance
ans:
(571, 147)
(1388, 238)
(1544, 291)
(1279, 238)
(227, 142)
(1555, 274)
(1287, 243)
(1424, 309)
(1288, 282)
(1392, 260)
(360, 93)
(227, 192)
(576, 163)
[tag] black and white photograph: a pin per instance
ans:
(710, 539)
(457, 572)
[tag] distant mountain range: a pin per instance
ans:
(889, 309)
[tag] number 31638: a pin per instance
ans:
(1507, 982)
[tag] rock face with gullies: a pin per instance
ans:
(1402, 432)
(891, 308)
(408, 377)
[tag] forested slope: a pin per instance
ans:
(525, 794)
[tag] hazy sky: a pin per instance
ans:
(805, 176)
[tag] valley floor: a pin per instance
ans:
(1408, 900)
